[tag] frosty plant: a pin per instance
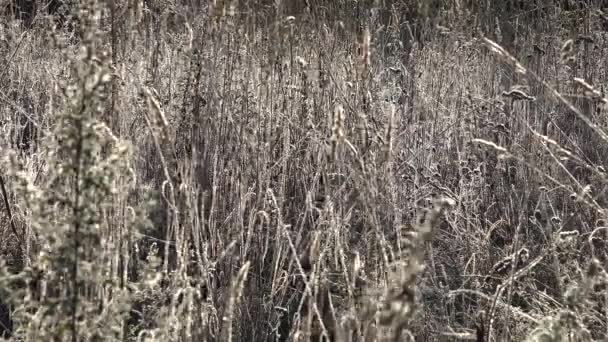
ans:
(78, 290)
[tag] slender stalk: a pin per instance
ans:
(9, 212)
(77, 222)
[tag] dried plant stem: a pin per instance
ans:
(236, 291)
(9, 212)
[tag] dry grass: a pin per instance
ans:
(250, 171)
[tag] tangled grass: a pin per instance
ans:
(256, 172)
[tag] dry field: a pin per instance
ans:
(394, 170)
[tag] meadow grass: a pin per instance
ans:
(247, 171)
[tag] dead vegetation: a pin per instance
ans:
(277, 171)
